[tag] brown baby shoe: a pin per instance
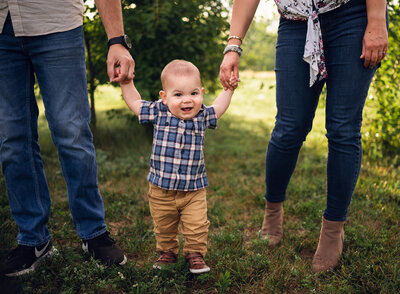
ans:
(196, 263)
(165, 259)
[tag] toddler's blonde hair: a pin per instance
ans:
(178, 67)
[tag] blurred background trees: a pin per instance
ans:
(163, 30)
(382, 137)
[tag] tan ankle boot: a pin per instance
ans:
(330, 246)
(272, 224)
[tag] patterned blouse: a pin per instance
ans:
(309, 10)
(177, 160)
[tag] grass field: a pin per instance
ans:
(240, 261)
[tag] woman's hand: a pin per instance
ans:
(375, 44)
(229, 70)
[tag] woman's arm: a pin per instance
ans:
(242, 16)
(375, 42)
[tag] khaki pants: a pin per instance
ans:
(168, 208)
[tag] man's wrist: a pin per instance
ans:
(123, 40)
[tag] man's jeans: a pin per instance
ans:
(347, 87)
(58, 60)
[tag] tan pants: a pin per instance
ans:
(168, 208)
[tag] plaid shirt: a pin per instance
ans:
(177, 160)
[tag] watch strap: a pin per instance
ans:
(119, 40)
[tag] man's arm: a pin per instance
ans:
(222, 102)
(242, 15)
(131, 96)
(111, 16)
(375, 42)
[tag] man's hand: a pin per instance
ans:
(118, 56)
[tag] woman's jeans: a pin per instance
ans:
(347, 87)
(58, 61)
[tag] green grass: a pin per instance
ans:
(240, 262)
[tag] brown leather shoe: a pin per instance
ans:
(196, 263)
(330, 246)
(272, 224)
(165, 259)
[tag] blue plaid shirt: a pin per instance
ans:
(177, 160)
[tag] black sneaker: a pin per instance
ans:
(25, 259)
(105, 249)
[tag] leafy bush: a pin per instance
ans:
(382, 139)
(258, 47)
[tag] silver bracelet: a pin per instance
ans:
(233, 48)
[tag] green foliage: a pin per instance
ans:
(258, 47)
(96, 55)
(96, 48)
(163, 30)
(224, 282)
(382, 140)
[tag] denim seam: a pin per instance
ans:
(94, 235)
(34, 244)
(65, 174)
(1, 145)
(30, 138)
(358, 158)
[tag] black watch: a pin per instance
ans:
(123, 40)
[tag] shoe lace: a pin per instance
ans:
(104, 240)
(166, 257)
(196, 259)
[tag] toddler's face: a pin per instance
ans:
(183, 95)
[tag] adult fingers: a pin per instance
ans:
(229, 66)
(131, 71)
(367, 58)
(224, 74)
(236, 73)
(118, 56)
(374, 58)
(111, 69)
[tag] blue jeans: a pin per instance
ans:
(58, 61)
(347, 87)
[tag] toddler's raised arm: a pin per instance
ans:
(131, 96)
(222, 102)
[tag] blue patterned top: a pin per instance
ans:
(177, 160)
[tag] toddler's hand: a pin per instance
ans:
(117, 73)
(234, 82)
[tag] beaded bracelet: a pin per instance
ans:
(235, 37)
(233, 48)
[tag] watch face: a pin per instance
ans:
(128, 41)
